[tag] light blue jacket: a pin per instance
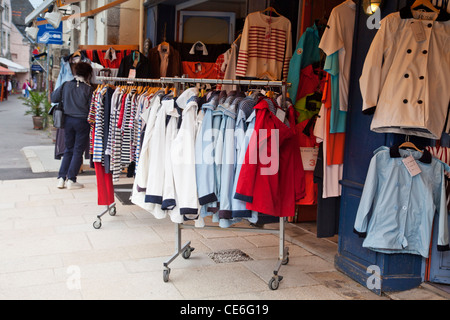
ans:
(204, 155)
(396, 210)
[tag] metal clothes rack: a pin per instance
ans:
(186, 249)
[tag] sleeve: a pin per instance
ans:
(367, 198)
(247, 176)
(227, 171)
(443, 233)
(242, 62)
(288, 52)
(295, 68)
(204, 162)
(168, 194)
(56, 96)
(183, 159)
(372, 74)
(332, 39)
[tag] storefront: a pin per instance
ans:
(321, 49)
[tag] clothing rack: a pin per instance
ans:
(186, 249)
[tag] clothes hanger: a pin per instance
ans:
(270, 10)
(409, 144)
(425, 3)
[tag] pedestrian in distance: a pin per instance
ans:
(76, 97)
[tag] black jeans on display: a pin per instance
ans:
(76, 134)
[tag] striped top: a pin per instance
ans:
(266, 47)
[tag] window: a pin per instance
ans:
(220, 29)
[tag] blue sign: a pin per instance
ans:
(49, 35)
(36, 67)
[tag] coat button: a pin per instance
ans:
(419, 101)
(430, 25)
(406, 75)
(409, 50)
(405, 101)
(424, 51)
(421, 77)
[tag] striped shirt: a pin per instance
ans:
(266, 47)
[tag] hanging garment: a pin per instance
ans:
(266, 47)
(405, 79)
(338, 37)
(272, 177)
(164, 63)
(306, 53)
(137, 63)
(397, 209)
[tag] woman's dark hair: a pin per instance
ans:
(84, 70)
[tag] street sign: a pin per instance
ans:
(49, 35)
(36, 67)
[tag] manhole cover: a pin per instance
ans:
(225, 256)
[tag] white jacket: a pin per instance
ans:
(405, 80)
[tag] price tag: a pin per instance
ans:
(281, 115)
(412, 166)
(309, 158)
(268, 33)
(419, 31)
(132, 74)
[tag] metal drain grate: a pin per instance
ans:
(226, 256)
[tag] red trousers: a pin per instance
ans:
(105, 187)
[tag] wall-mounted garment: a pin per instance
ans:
(196, 53)
(136, 61)
(338, 36)
(405, 80)
(266, 47)
(110, 58)
(165, 61)
(306, 53)
(197, 70)
(397, 209)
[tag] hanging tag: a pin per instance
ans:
(412, 166)
(419, 31)
(281, 115)
(132, 74)
(309, 157)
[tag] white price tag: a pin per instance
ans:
(419, 31)
(281, 115)
(412, 166)
(309, 157)
(132, 74)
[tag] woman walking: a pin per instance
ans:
(76, 96)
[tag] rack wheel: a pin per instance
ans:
(166, 273)
(285, 261)
(112, 211)
(274, 283)
(97, 224)
(187, 253)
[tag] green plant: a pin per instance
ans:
(34, 103)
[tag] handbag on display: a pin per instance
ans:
(57, 112)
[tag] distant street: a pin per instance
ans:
(16, 131)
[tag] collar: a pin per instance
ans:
(406, 13)
(110, 54)
(394, 152)
(161, 51)
(200, 46)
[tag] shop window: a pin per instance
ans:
(221, 27)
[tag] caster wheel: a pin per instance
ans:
(285, 261)
(97, 224)
(274, 283)
(187, 253)
(112, 211)
(166, 273)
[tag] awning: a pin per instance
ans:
(5, 72)
(12, 66)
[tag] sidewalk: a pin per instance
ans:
(50, 250)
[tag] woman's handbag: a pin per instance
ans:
(57, 111)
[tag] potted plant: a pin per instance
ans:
(33, 102)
